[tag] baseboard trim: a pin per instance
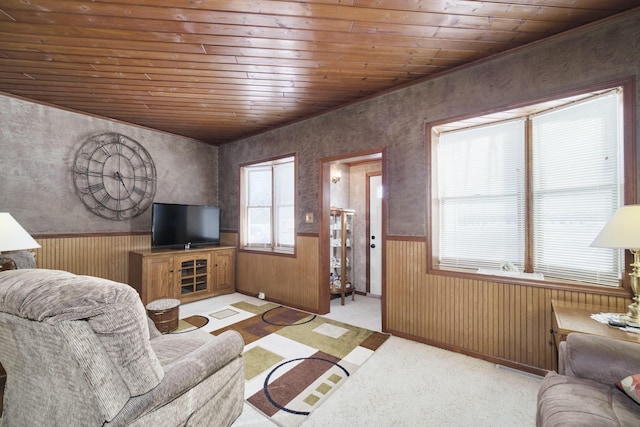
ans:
(489, 358)
(282, 302)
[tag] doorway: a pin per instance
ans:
(345, 183)
(374, 232)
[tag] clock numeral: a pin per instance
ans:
(86, 172)
(105, 199)
(96, 187)
(118, 147)
(140, 165)
(138, 190)
(103, 147)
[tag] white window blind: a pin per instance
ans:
(577, 182)
(481, 196)
(269, 205)
(284, 204)
(259, 190)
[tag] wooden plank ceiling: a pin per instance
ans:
(220, 70)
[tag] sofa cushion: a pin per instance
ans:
(569, 401)
(631, 386)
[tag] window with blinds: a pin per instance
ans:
(268, 211)
(527, 195)
(577, 180)
(481, 196)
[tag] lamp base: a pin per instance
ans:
(633, 315)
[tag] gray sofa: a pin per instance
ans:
(584, 392)
(80, 351)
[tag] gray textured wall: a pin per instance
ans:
(397, 120)
(37, 147)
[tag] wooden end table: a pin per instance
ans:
(574, 317)
(164, 313)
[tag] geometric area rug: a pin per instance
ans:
(294, 360)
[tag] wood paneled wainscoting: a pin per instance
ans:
(285, 279)
(500, 322)
(102, 255)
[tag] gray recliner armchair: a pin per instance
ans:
(584, 392)
(80, 351)
(17, 259)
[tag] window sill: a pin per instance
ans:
(547, 283)
(512, 274)
(269, 251)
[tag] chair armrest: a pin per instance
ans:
(153, 330)
(602, 359)
(206, 359)
(184, 374)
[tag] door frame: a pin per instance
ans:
(324, 197)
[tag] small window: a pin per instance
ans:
(268, 205)
(525, 192)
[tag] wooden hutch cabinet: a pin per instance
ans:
(341, 256)
(187, 275)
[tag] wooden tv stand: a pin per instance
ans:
(187, 275)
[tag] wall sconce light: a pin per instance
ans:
(336, 177)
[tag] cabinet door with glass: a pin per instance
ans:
(193, 274)
(341, 253)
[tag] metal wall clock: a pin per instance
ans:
(114, 176)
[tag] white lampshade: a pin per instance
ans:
(12, 236)
(622, 230)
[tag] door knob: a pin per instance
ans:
(373, 245)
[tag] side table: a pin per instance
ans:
(574, 317)
(164, 314)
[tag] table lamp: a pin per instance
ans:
(622, 231)
(12, 236)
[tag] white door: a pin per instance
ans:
(375, 235)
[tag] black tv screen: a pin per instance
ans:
(175, 225)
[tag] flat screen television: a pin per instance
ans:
(184, 226)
